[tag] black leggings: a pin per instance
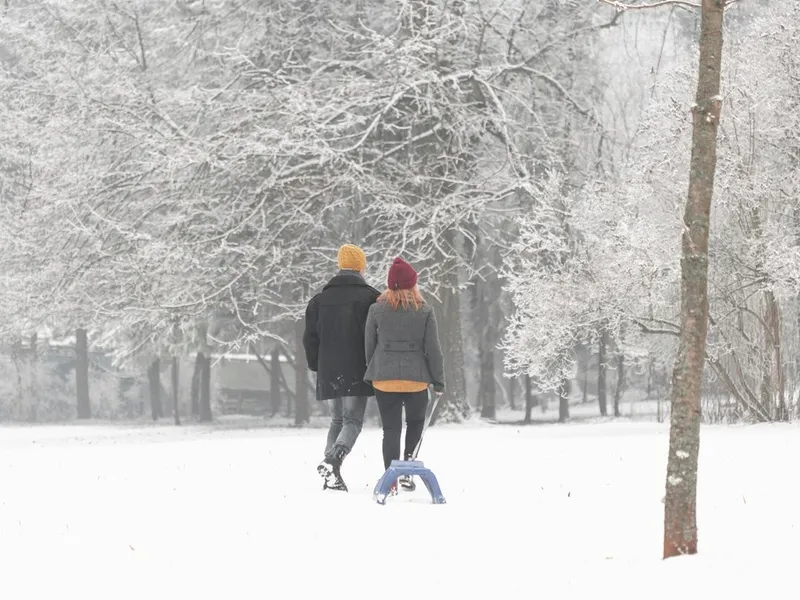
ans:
(390, 405)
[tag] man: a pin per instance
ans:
(334, 345)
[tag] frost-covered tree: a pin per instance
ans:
(619, 264)
(752, 287)
(628, 224)
(195, 190)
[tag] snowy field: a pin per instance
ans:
(544, 511)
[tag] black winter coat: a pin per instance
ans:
(334, 336)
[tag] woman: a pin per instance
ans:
(403, 358)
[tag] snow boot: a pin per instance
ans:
(407, 481)
(335, 483)
(330, 470)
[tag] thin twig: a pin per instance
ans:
(623, 6)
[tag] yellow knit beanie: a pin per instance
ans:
(352, 258)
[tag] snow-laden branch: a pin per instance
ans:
(624, 6)
(183, 181)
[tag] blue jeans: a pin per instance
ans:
(347, 418)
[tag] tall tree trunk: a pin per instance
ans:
(154, 381)
(176, 389)
(585, 397)
(485, 322)
(487, 390)
(33, 363)
(454, 406)
(205, 386)
(620, 389)
(82, 374)
(122, 387)
(774, 394)
(194, 393)
(302, 410)
(512, 392)
(530, 399)
(282, 381)
(563, 400)
(275, 380)
(796, 379)
(770, 394)
(584, 359)
(18, 358)
(602, 372)
(680, 504)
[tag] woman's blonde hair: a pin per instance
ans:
(405, 298)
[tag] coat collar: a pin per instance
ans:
(345, 277)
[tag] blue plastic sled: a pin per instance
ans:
(407, 467)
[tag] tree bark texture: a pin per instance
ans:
(154, 381)
(176, 389)
(563, 400)
(530, 399)
(302, 410)
(204, 362)
(194, 393)
(602, 373)
(33, 363)
(82, 374)
(773, 395)
(487, 333)
(454, 406)
(620, 389)
(680, 504)
(275, 380)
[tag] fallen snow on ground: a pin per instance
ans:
(544, 511)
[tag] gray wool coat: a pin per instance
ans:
(403, 344)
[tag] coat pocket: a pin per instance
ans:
(405, 356)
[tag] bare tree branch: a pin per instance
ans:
(623, 6)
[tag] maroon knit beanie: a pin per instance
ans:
(402, 275)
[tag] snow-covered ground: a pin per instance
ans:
(544, 511)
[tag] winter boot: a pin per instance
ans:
(407, 481)
(330, 470)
